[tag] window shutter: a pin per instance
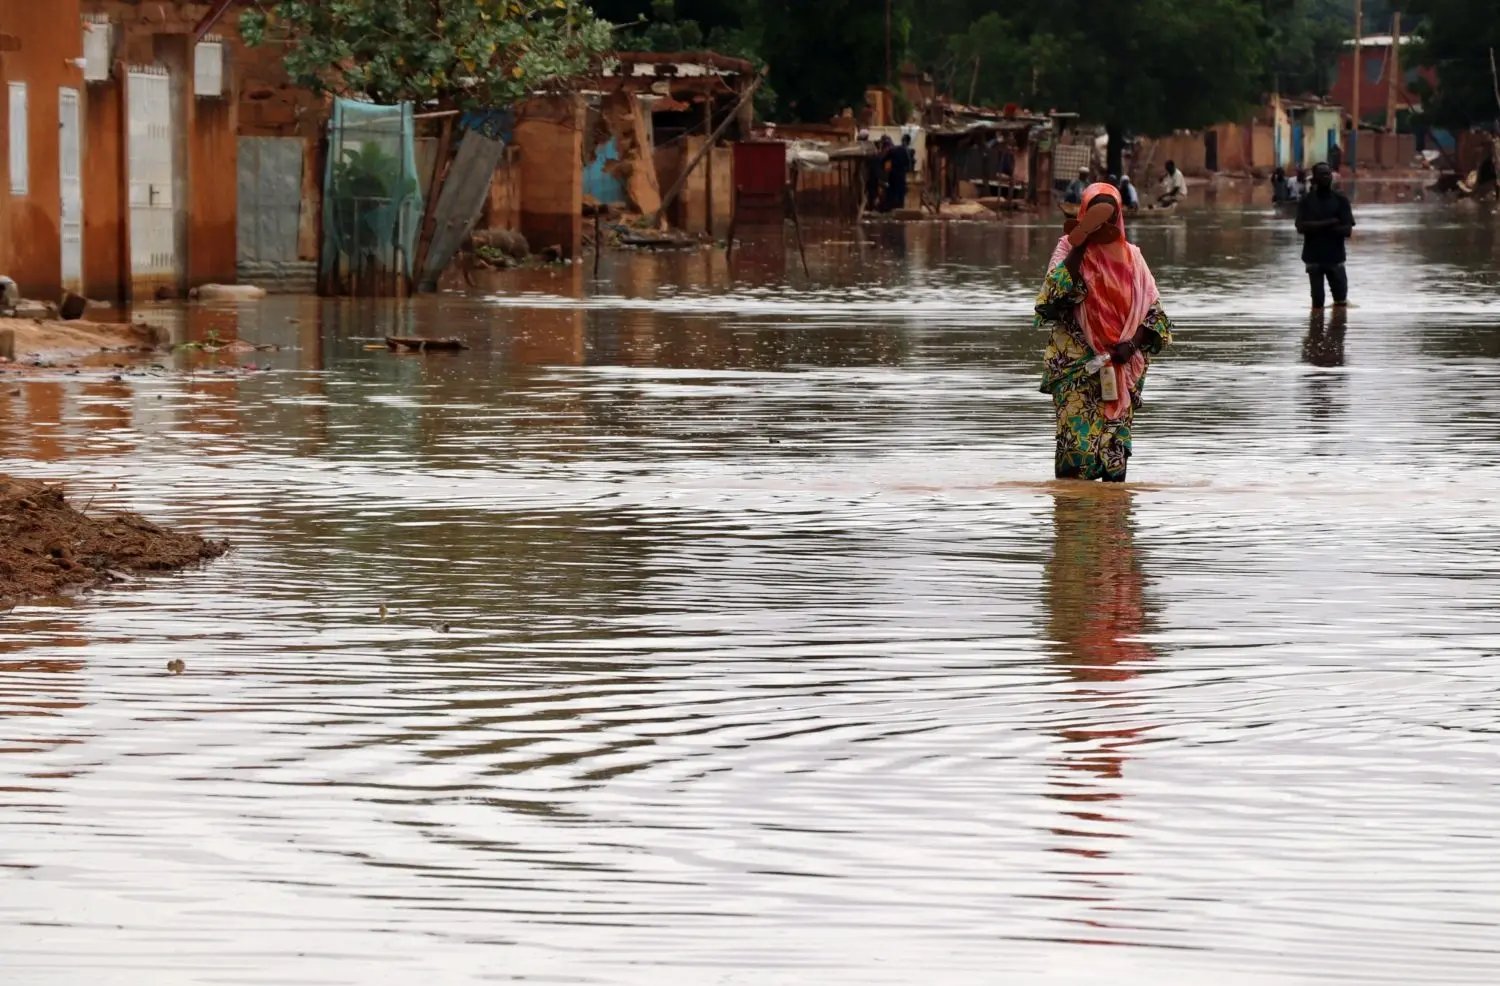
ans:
(20, 144)
(97, 43)
(208, 68)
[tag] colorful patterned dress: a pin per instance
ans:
(1089, 445)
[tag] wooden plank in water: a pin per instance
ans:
(420, 344)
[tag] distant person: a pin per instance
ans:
(898, 163)
(1281, 190)
(1173, 186)
(1007, 162)
(1074, 193)
(911, 153)
(1128, 193)
(1100, 304)
(1484, 179)
(872, 165)
(1335, 157)
(1325, 221)
(1298, 183)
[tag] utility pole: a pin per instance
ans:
(890, 75)
(1393, 67)
(1359, 78)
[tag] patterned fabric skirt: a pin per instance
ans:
(1089, 445)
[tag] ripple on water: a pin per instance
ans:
(733, 633)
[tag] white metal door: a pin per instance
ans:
(70, 152)
(153, 239)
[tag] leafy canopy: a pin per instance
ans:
(1458, 39)
(473, 53)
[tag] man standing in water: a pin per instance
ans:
(1325, 221)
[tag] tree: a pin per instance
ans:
(988, 63)
(668, 29)
(1459, 40)
(1305, 41)
(470, 53)
(823, 54)
(1151, 65)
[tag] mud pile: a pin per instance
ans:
(47, 547)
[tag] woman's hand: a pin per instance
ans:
(1121, 352)
(1074, 261)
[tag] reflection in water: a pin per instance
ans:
(1096, 616)
(1324, 347)
(712, 639)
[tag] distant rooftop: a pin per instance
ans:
(1379, 41)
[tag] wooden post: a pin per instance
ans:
(890, 74)
(672, 193)
(797, 222)
(1359, 75)
(708, 167)
(1393, 70)
(434, 188)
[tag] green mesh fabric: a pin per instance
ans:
(372, 203)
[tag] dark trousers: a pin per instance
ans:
(895, 194)
(1338, 283)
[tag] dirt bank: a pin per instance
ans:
(47, 547)
(50, 339)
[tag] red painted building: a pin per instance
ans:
(118, 123)
(40, 81)
(1372, 70)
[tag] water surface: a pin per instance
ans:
(735, 632)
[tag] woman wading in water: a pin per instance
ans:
(1099, 301)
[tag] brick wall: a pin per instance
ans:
(689, 212)
(51, 36)
(213, 191)
(503, 208)
(106, 244)
(549, 149)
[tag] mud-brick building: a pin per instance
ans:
(120, 124)
(41, 46)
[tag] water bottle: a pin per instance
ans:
(1109, 388)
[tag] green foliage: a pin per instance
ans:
(1458, 37)
(1306, 40)
(989, 63)
(823, 54)
(665, 30)
(1152, 65)
(483, 53)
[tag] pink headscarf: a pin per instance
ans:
(1121, 291)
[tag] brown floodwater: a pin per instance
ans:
(735, 632)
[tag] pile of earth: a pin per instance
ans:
(48, 548)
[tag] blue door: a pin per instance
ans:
(1297, 157)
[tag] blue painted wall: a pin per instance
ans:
(602, 185)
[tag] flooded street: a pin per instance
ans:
(736, 632)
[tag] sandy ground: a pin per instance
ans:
(49, 548)
(47, 339)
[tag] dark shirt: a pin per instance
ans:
(1324, 246)
(900, 160)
